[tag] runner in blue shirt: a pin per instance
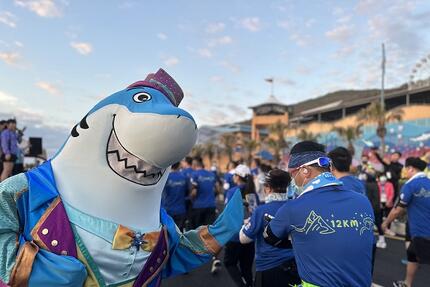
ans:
(341, 160)
(275, 267)
(228, 176)
(331, 227)
(235, 254)
(202, 195)
(186, 166)
(415, 198)
(174, 193)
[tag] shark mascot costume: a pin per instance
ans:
(91, 215)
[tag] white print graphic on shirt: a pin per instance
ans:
(316, 223)
(422, 193)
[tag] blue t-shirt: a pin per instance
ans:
(228, 179)
(174, 193)
(354, 184)
(332, 236)
(187, 172)
(205, 182)
(266, 256)
(415, 194)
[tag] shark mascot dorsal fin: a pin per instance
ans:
(91, 215)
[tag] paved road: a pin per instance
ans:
(387, 268)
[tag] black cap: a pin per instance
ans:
(278, 179)
(416, 162)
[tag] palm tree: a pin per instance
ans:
(229, 142)
(349, 134)
(375, 113)
(275, 147)
(277, 143)
(209, 150)
(250, 146)
(197, 150)
(307, 136)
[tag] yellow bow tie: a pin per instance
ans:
(125, 238)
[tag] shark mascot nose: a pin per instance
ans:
(160, 139)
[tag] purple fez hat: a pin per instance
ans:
(163, 82)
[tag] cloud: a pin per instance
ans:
(341, 33)
(10, 58)
(19, 44)
(205, 53)
(215, 27)
(344, 52)
(216, 79)
(300, 39)
(231, 67)
(162, 36)
(7, 99)
(285, 81)
(303, 70)
(82, 48)
(171, 61)
(224, 40)
(8, 19)
(50, 88)
(252, 24)
(309, 23)
(43, 8)
(284, 24)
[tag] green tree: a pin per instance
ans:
(303, 135)
(350, 134)
(209, 150)
(277, 140)
(197, 150)
(376, 114)
(229, 142)
(250, 146)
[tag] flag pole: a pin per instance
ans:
(272, 86)
(383, 77)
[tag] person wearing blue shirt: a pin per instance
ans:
(174, 193)
(9, 146)
(341, 160)
(331, 228)
(275, 267)
(186, 166)
(228, 176)
(202, 195)
(238, 258)
(415, 198)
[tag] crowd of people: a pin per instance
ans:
(11, 154)
(311, 223)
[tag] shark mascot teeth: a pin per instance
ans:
(91, 215)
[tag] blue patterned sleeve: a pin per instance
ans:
(194, 248)
(9, 222)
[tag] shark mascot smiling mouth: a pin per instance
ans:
(91, 215)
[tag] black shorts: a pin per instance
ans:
(419, 250)
(12, 158)
(285, 274)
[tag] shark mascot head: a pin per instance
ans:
(115, 163)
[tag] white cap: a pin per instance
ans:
(242, 170)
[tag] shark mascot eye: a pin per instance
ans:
(91, 216)
(141, 97)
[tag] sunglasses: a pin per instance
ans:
(321, 162)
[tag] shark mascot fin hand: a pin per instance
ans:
(91, 215)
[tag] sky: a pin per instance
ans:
(58, 58)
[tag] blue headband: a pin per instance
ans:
(298, 159)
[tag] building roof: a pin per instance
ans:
(271, 100)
